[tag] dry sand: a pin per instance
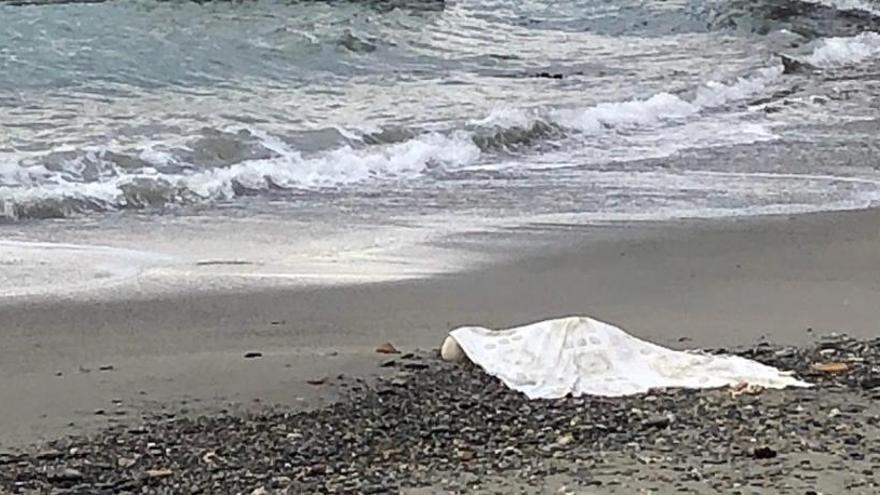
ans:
(690, 284)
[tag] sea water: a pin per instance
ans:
(218, 144)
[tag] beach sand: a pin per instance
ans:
(684, 284)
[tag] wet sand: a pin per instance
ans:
(693, 284)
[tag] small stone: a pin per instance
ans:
(548, 75)
(415, 366)
(260, 491)
(564, 440)
(657, 422)
(100, 412)
(764, 453)
(315, 470)
(387, 348)
(831, 367)
(465, 455)
(279, 481)
(105, 367)
(317, 381)
(870, 382)
(791, 65)
(125, 462)
(66, 475)
(48, 454)
(253, 355)
(159, 473)
(388, 364)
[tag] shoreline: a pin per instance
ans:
(685, 284)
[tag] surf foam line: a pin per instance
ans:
(837, 52)
(638, 112)
(36, 190)
(33, 190)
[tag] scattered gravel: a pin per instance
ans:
(433, 425)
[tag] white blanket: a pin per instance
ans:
(579, 355)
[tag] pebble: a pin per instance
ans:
(65, 475)
(871, 382)
(387, 348)
(48, 454)
(764, 453)
(159, 473)
(657, 422)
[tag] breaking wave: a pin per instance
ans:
(834, 52)
(223, 165)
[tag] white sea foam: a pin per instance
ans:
(645, 112)
(626, 114)
(836, 52)
(340, 166)
(509, 117)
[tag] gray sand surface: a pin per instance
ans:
(682, 285)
